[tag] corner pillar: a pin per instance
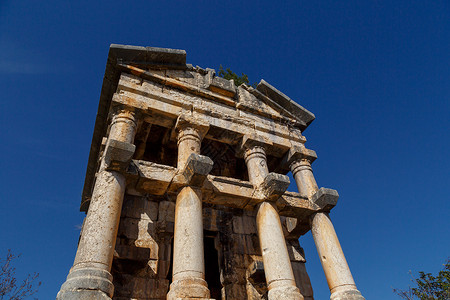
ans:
(188, 277)
(89, 277)
(277, 265)
(338, 275)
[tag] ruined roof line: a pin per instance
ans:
(147, 58)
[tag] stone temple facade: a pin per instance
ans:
(185, 189)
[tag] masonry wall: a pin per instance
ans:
(142, 259)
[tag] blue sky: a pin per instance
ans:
(375, 73)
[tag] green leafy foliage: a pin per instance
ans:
(238, 80)
(429, 287)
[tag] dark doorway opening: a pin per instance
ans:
(212, 271)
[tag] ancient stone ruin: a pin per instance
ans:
(185, 189)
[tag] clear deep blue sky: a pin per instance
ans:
(375, 73)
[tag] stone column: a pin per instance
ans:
(277, 265)
(90, 277)
(339, 278)
(188, 280)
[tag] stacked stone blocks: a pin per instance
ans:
(185, 165)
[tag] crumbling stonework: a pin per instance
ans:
(185, 189)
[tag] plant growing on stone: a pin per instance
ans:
(238, 80)
(10, 287)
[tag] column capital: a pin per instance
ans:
(121, 113)
(299, 152)
(252, 144)
(299, 160)
(188, 123)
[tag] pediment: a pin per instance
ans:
(247, 101)
(284, 103)
(269, 102)
(264, 100)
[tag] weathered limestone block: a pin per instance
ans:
(250, 103)
(166, 217)
(146, 235)
(193, 77)
(139, 268)
(273, 186)
(222, 86)
(296, 253)
(163, 268)
(118, 154)
(196, 169)
(241, 260)
(229, 192)
(245, 244)
(325, 198)
(284, 101)
(256, 279)
(153, 178)
(134, 287)
(234, 291)
(255, 272)
(211, 219)
(139, 208)
(165, 255)
(232, 275)
(293, 228)
(126, 249)
(137, 229)
(153, 268)
(302, 279)
(254, 291)
(166, 211)
(244, 224)
(165, 247)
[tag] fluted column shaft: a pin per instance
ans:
(277, 265)
(338, 275)
(188, 254)
(90, 275)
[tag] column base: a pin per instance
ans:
(87, 283)
(348, 294)
(82, 295)
(188, 288)
(285, 293)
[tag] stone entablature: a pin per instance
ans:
(183, 165)
(162, 94)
